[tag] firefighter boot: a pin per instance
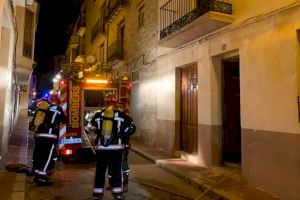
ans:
(125, 187)
(125, 181)
(109, 183)
(97, 196)
(118, 197)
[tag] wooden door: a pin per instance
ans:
(189, 109)
(231, 112)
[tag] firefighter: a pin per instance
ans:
(112, 125)
(39, 114)
(125, 141)
(46, 138)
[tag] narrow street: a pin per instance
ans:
(147, 181)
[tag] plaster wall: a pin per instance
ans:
(268, 50)
(23, 61)
(141, 54)
(6, 51)
(265, 71)
(24, 64)
(244, 10)
(4, 54)
(269, 59)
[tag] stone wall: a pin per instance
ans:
(142, 43)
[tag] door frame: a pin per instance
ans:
(178, 114)
(228, 58)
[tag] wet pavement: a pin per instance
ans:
(217, 182)
(73, 181)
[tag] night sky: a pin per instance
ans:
(54, 26)
(53, 31)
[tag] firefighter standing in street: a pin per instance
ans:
(112, 125)
(125, 165)
(46, 138)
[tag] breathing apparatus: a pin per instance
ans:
(107, 125)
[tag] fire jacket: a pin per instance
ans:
(50, 126)
(121, 128)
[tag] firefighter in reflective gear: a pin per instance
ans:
(46, 138)
(125, 140)
(39, 114)
(111, 126)
(128, 129)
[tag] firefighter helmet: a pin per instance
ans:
(110, 99)
(53, 98)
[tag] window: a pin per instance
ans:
(28, 34)
(122, 39)
(101, 53)
(141, 16)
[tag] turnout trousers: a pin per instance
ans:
(44, 157)
(125, 170)
(108, 160)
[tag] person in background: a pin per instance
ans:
(111, 126)
(46, 138)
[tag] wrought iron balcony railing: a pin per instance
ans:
(115, 51)
(97, 30)
(177, 13)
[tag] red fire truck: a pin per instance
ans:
(78, 98)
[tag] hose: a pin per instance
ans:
(216, 184)
(15, 166)
(89, 142)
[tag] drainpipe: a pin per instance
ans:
(298, 76)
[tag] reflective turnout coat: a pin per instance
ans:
(111, 126)
(46, 138)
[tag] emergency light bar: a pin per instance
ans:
(96, 81)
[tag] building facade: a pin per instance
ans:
(17, 23)
(228, 83)
(213, 81)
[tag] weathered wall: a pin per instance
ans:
(6, 49)
(268, 50)
(24, 64)
(141, 54)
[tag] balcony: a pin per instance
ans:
(97, 31)
(81, 24)
(114, 8)
(184, 21)
(115, 51)
(80, 54)
(74, 41)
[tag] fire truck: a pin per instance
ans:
(78, 99)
